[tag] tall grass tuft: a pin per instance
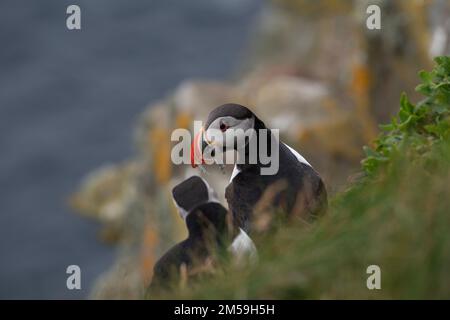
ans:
(396, 217)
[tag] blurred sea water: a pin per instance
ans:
(68, 103)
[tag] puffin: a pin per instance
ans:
(211, 236)
(305, 194)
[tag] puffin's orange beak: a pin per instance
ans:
(196, 152)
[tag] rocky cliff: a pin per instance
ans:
(314, 71)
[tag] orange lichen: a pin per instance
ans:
(360, 90)
(148, 252)
(183, 120)
(159, 143)
(360, 81)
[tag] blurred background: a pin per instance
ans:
(68, 103)
(86, 116)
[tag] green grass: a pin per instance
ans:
(396, 217)
(401, 223)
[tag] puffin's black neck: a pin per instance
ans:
(208, 223)
(249, 165)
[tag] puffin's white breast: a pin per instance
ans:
(243, 247)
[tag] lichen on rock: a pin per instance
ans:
(311, 75)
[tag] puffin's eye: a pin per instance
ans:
(223, 127)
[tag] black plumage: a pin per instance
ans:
(305, 191)
(304, 188)
(209, 235)
(190, 193)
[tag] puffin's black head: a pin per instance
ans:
(192, 192)
(228, 114)
(208, 222)
(225, 128)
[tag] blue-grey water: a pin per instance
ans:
(68, 103)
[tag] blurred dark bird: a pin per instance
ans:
(305, 194)
(211, 236)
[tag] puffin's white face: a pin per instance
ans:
(228, 127)
(223, 132)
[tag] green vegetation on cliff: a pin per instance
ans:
(416, 128)
(396, 217)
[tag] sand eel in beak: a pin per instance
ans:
(197, 147)
(211, 236)
(305, 191)
(203, 152)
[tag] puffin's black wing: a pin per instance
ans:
(166, 272)
(308, 190)
(305, 193)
